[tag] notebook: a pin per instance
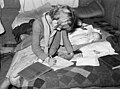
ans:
(34, 70)
(112, 61)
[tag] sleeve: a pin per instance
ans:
(55, 44)
(37, 36)
(66, 42)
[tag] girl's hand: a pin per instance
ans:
(67, 56)
(50, 61)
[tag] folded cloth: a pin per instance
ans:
(100, 48)
(92, 52)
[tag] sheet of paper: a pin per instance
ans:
(88, 59)
(61, 63)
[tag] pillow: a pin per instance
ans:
(85, 2)
(92, 9)
(24, 17)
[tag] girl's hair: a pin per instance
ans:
(58, 8)
(69, 11)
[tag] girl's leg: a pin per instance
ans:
(5, 84)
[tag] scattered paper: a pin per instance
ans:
(88, 59)
(61, 63)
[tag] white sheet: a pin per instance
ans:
(100, 48)
(27, 5)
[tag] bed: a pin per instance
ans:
(76, 76)
(73, 77)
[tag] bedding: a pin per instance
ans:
(73, 76)
(26, 42)
(76, 76)
(90, 77)
(98, 49)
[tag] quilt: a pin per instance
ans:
(75, 76)
(78, 76)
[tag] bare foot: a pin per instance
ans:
(5, 84)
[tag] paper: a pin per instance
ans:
(88, 59)
(61, 63)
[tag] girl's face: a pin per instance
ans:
(63, 19)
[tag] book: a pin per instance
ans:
(112, 61)
(34, 70)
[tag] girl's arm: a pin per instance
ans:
(55, 43)
(36, 37)
(67, 45)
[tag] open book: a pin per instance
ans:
(111, 61)
(34, 70)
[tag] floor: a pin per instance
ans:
(5, 64)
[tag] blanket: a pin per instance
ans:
(75, 76)
(88, 76)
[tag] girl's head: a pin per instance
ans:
(63, 17)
